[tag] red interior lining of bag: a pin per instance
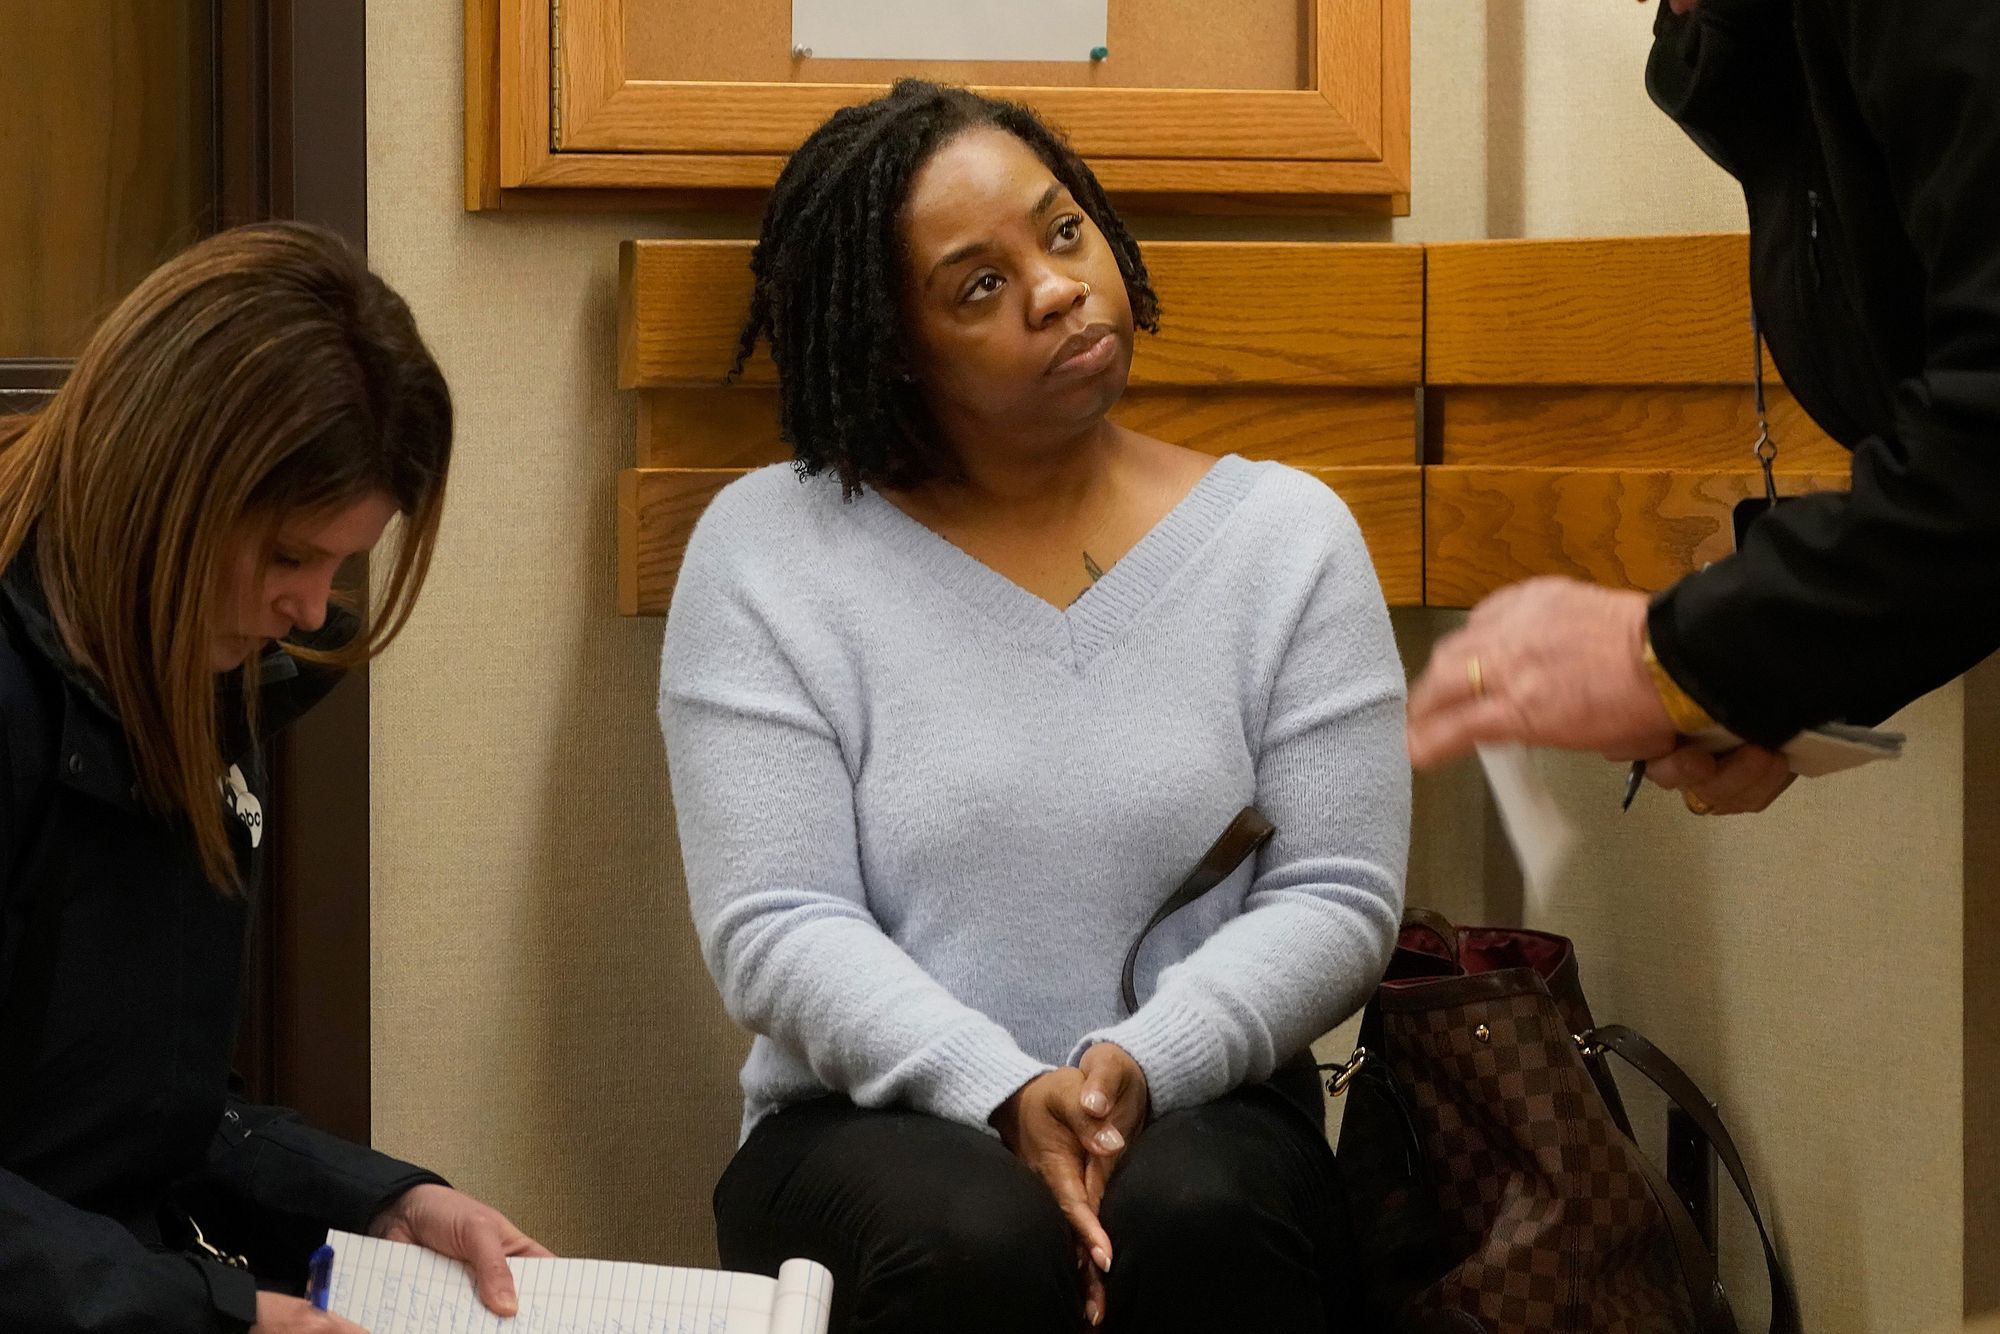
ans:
(1422, 957)
(1488, 951)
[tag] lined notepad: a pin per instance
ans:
(389, 1287)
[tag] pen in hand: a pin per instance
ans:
(1633, 778)
(319, 1276)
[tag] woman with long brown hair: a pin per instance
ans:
(258, 411)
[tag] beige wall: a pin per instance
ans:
(544, 1030)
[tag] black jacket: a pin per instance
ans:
(1866, 134)
(121, 972)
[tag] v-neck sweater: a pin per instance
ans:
(923, 812)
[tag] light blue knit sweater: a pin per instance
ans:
(923, 812)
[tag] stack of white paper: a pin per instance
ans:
(388, 1287)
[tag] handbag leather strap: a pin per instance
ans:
(1248, 832)
(1671, 1080)
(1437, 924)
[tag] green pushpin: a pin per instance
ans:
(1100, 52)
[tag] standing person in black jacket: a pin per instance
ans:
(1866, 136)
(255, 413)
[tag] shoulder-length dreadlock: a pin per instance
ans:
(828, 277)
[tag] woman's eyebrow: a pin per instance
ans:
(968, 251)
(299, 546)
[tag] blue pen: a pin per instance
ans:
(319, 1276)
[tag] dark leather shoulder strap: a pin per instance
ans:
(1437, 924)
(1655, 1065)
(1248, 832)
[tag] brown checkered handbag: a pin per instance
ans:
(1495, 1184)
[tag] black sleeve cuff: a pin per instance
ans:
(1705, 680)
(232, 1292)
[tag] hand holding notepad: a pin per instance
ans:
(1818, 751)
(390, 1287)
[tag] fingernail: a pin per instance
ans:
(1109, 1140)
(1091, 1313)
(1103, 1258)
(1096, 1103)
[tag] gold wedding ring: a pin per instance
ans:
(1696, 804)
(1474, 677)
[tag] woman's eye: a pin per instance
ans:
(985, 285)
(286, 561)
(1069, 230)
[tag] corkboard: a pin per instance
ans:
(1245, 44)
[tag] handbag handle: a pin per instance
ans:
(1435, 922)
(1671, 1080)
(1248, 832)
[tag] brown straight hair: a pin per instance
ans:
(261, 373)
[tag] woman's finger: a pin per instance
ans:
(486, 1257)
(1103, 1085)
(1093, 1293)
(1051, 1151)
(1095, 1239)
(1092, 1135)
(1097, 1176)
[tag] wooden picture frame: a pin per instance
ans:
(554, 116)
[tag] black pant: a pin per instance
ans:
(1222, 1218)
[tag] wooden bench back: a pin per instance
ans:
(1488, 410)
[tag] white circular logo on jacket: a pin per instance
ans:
(238, 797)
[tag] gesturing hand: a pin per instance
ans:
(456, 1225)
(1737, 782)
(1549, 662)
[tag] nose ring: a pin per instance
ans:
(1086, 289)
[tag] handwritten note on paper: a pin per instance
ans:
(949, 29)
(391, 1288)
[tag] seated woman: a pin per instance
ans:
(251, 416)
(949, 714)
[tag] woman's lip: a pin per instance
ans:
(1089, 359)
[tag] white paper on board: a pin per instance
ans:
(950, 29)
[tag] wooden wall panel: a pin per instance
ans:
(1485, 528)
(1704, 427)
(738, 428)
(1236, 313)
(1588, 409)
(680, 306)
(1621, 311)
(1296, 313)
(658, 509)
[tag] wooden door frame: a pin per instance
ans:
(289, 140)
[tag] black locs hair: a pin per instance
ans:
(828, 274)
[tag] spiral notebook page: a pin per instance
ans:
(388, 1287)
